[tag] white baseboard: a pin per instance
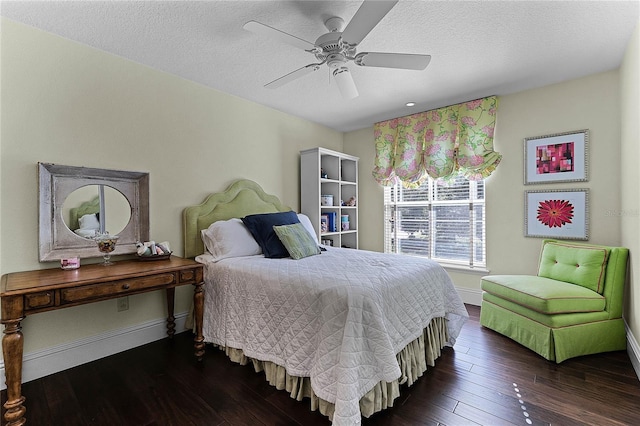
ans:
(41, 363)
(633, 349)
(470, 296)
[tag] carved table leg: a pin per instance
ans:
(171, 320)
(12, 348)
(198, 309)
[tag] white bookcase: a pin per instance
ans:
(341, 183)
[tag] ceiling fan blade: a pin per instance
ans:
(345, 82)
(267, 31)
(366, 18)
(392, 60)
(294, 75)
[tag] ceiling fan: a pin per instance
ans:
(337, 47)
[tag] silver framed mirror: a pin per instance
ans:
(76, 203)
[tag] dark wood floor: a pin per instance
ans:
(486, 379)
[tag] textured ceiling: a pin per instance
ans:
(478, 48)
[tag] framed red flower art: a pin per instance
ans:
(557, 214)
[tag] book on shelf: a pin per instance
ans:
(324, 223)
(333, 226)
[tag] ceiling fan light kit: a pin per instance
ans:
(336, 48)
(345, 83)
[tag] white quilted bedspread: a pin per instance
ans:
(339, 318)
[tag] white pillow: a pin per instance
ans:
(306, 222)
(89, 221)
(229, 238)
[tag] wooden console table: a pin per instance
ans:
(26, 293)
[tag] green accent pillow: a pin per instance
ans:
(576, 264)
(297, 240)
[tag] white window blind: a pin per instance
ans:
(443, 223)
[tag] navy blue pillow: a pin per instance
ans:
(261, 227)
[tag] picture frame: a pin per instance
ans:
(560, 157)
(560, 213)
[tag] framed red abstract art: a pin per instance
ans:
(557, 214)
(560, 157)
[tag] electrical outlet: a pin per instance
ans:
(123, 303)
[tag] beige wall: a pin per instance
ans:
(66, 103)
(630, 188)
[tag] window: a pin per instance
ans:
(442, 222)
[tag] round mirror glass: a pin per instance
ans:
(95, 209)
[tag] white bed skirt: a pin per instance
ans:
(413, 361)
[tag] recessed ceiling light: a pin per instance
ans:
(410, 104)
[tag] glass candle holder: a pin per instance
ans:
(106, 244)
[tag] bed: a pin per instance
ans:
(344, 328)
(84, 219)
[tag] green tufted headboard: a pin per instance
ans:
(241, 198)
(88, 207)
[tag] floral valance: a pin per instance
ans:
(441, 143)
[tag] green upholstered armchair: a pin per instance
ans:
(573, 306)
